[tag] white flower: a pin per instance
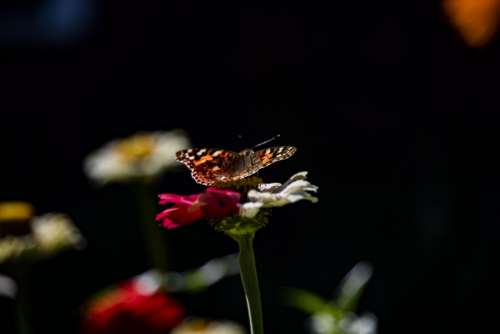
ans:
(53, 233)
(365, 324)
(25, 237)
(276, 194)
(143, 155)
(8, 287)
(200, 326)
(322, 323)
(16, 247)
(325, 323)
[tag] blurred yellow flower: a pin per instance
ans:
(476, 20)
(144, 155)
(10, 211)
(202, 326)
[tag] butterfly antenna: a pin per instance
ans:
(241, 139)
(267, 141)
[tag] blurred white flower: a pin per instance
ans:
(325, 323)
(54, 232)
(201, 326)
(8, 287)
(276, 194)
(365, 324)
(25, 237)
(16, 247)
(143, 155)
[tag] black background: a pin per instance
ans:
(394, 117)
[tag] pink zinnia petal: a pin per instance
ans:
(186, 210)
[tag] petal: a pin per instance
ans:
(165, 213)
(174, 198)
(220, 203)
(250, 209)
(269, 186)
(299, 186)
(295, 189)
(230, 194)
(278, 187)
(179, 216)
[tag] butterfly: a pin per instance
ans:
(209, 166)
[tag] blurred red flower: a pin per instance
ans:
(212, 203)
(128, 309)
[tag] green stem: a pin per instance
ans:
(154, 238)
(22, 300)
(250, 281)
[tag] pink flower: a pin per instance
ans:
(213, 203)
(186, 210)
(220, 203)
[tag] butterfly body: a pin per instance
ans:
(211, 166)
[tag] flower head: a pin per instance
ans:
(224, 208)
(55, 232)
(324, 323)
(144, 155)
(15, 211)
(276, 194)
(201, 326)
(132, 307)
(24, 236)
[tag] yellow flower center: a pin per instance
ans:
(136, 147)
(15, 211)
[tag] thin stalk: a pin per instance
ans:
(250, 281)
(155, 242)
(22, 300)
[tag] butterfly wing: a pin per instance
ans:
(273, 154)
(207, 165)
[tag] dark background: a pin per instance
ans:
(394, 117)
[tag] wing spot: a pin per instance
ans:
(200, 152)
(203, 159)
(217, 153)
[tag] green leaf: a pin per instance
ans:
(310, 303)
(352, 286)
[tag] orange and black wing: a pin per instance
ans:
(207, 165)
(273, 154)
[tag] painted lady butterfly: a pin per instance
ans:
(209, 166)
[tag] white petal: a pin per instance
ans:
(269, 186)
(250, 209)
(274, 194)
(8, 287)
